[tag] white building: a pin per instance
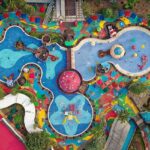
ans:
(66, 10)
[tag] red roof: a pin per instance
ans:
(69, 81)
(8, 140)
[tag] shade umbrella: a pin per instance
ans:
(121, 13)
(133, 16)
(42, 9)
(24, 16)
(1, 17)
(37, 20)
(18, 13)
(5, 15)
(127, 13)
(32, 19)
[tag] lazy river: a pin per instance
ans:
(135, 41)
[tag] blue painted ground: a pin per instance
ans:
(86, 57)
(12, 61)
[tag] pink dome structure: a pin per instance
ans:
(69, 81)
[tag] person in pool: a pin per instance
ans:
(9, 80)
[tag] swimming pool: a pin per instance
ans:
(135, 41)
(13, 60)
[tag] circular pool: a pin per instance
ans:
(70, 117)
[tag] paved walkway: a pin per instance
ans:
(117, 136)
(28, 107)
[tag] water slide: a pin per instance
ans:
(29, 108)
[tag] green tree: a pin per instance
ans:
(108, 12)
(2, 93)
(38, 141)
(123, 116)
(28, 9)
(139, 87)
(87, 9)
(99, 137)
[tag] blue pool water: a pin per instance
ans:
(12, 61)
(86, 56)
(74, 126)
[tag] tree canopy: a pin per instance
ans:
(38, 141)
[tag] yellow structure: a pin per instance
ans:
(102, 24)
(41, 117)
(125, 20)
(131, 105)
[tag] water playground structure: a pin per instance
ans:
(42, 53)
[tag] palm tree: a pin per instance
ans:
(99, 138)
(38, 141)
(11, 5)
(139, 87)
(123, 116)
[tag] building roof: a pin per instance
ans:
(8, 140)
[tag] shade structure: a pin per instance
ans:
(121, 13)
(24, 16)
(101, 17)
(133, 16)
(1, 17)
(127, 13)
(69, 81)
(89, 20)
(140, 20)
(32, 19)
(42, 9)
(18, 13)
(95, 17)
(37, 20)
(117, 51)
(5, 15)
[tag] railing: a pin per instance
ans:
(49, 11)
(37, 1)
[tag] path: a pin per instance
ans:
(29, 108)
(117, 136)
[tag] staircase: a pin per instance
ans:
(48, 15)
(80, 15)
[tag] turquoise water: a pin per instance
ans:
(86, 56)
(50, 65)
(8, 57)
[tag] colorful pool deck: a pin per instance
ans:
(68, 117)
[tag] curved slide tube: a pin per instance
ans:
(29, 108)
